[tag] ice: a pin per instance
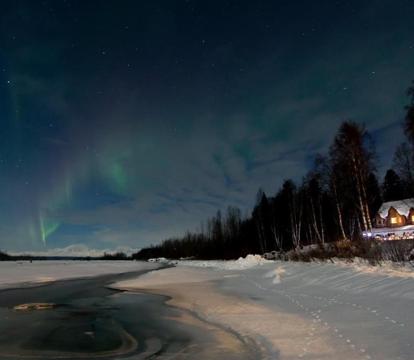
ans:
(291, 310)
(18, 272)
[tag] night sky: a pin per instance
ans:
(126, 122)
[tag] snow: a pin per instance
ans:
(78, 250)
(290, 310)
(388, 268)
(298, 310)
(385, 268)
(18, 272)
(385, 230)
(161, 260)
(245, 263)
(403, 207)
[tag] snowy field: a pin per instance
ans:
(289, 310)
(298, 310)
(29, 273)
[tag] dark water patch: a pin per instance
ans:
(92, 321)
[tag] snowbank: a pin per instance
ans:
(295, 310)
(241, 263)
(388, 268)
(161, 260)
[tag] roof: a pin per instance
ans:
(402, 206)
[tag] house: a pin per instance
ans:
(393, 221)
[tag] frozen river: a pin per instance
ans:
(244, 309)
(91, 321)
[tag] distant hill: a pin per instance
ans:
(28, 257)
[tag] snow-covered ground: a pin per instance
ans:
(298, 310)
(240, 264)
(26, 272)
(290, 310)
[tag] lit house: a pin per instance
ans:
(393, 221)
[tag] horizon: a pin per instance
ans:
(118, 133)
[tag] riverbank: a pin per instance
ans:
(88, 320)
(195, 290)
(296, 310)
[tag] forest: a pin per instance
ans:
(334, 202)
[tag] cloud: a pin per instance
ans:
(134, 156)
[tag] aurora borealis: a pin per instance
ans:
(126, 122)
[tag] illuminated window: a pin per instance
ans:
(412, 218)
(394, 220)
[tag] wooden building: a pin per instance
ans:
(394, 221)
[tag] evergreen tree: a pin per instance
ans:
(351, 157)
(403, 165)
(314, 211)
(392, 187)
(374, 195)
(261, 217)
(409, 116)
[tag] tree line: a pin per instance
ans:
(336, 200)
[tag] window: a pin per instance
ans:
(394, 220)
(412, 218)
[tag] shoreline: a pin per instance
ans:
(226, 337)
(228, 340)
(257, 325)
(15, 275)
(270, 310)
(147, 327)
